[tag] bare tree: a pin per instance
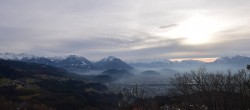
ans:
(248, 67)
(203, 90)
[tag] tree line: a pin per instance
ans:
(198, 90)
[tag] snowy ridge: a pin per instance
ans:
(109, 58)
(12, 56)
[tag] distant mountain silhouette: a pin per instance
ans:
(39, 60)
(112, 63)
(233, 60)
(12, 56)
(74, 61)
(229, 63)
(166, 64)
(71, 63)
(80, 64)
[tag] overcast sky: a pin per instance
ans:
(129, 29)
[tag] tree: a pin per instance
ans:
(248, 67)
(201, 90)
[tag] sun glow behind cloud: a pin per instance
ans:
(196, 30)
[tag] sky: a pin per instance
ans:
(128, 29)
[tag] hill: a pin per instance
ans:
(117, 74)
(41, 87)
(150, 73)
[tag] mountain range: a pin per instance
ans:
(222, 62)
(79, 63)
(71, 62)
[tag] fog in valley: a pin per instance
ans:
(124, 55)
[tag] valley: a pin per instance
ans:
(74, 82)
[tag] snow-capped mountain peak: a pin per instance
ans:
(112, 62)
(234, 59)
(73, 59)
(109, 58)
(222, 60)
(12, 56)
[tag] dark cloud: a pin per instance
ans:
(167, 26)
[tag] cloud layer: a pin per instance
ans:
(130, 29)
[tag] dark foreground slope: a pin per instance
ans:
(40, 87)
